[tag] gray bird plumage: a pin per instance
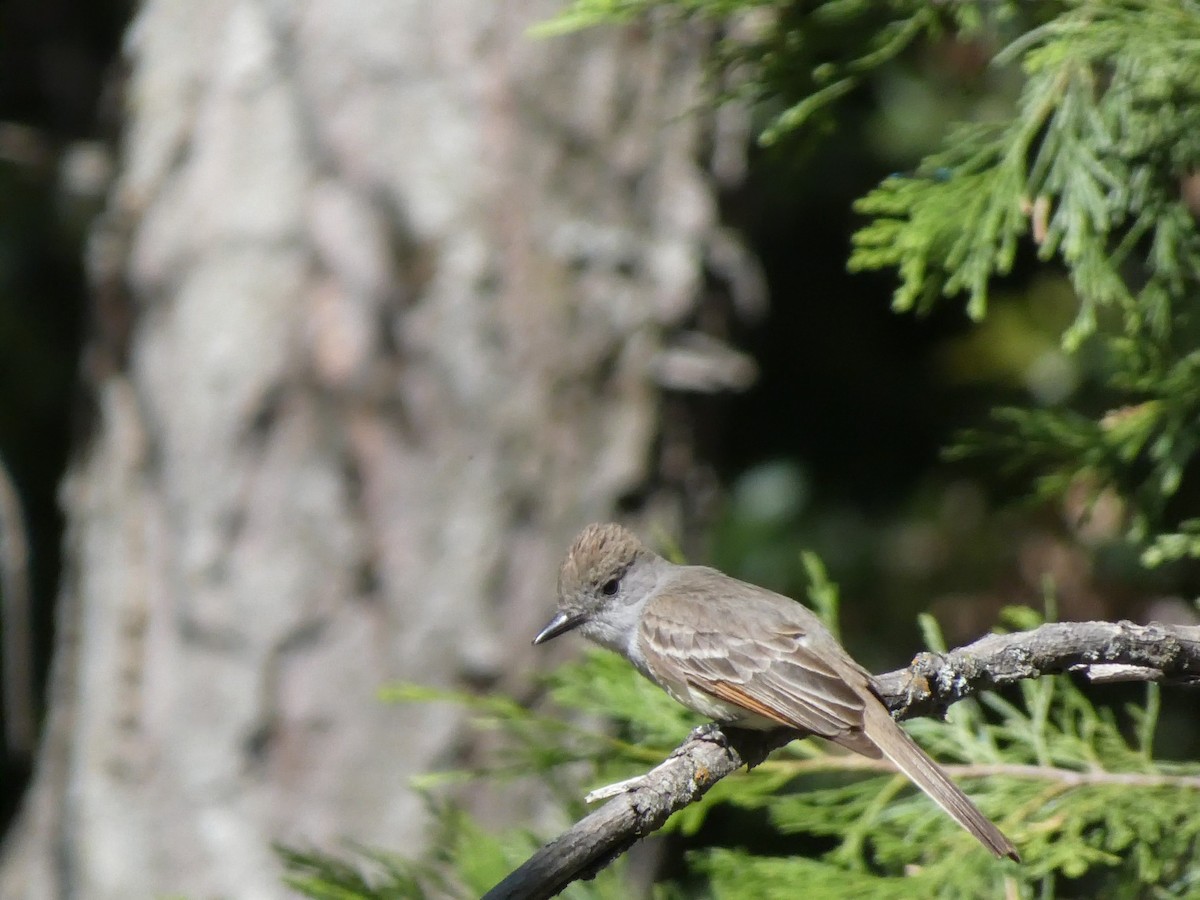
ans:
(741, 655)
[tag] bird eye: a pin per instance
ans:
(611, 587)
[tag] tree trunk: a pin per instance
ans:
(381, 302)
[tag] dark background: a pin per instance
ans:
(59, 83)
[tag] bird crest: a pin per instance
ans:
(600, 554)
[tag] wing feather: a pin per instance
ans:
(758, 651)
(765, 657)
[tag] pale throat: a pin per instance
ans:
(618, 624)
(617, 630)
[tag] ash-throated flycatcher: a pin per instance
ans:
(741, 655)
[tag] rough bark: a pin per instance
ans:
(1102, 651)
(381, 298)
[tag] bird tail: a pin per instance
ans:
(909, 758)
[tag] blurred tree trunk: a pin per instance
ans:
(379, 303)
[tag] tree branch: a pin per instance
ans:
(1102, 651)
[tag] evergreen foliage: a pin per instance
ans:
(1089, 170)
(1092, 811)
(466, 862)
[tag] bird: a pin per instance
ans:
(741, 655)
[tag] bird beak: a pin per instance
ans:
(560, 624)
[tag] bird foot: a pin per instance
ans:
(711, 732)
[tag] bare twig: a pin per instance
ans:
(1163, 653)
(928, 687)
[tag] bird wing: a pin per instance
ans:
(769, 656)
(757, 650)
